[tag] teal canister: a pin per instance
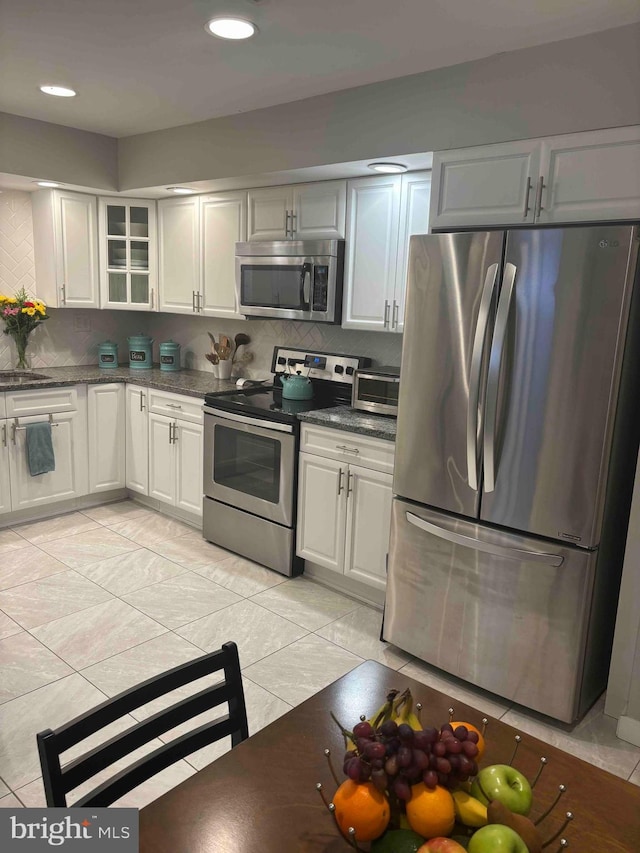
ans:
(169, 355)
(107, 355)
(140, 352)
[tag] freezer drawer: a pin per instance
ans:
(505, 612)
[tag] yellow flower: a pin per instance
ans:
(29, 311)
(41, 309)
(3, 299)
(11, 299)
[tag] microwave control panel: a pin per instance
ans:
(335, 367)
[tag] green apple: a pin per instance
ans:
(506, 784)
(496, 838)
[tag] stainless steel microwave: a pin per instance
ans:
(376, 390)
(291, 279)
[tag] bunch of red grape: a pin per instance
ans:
(395, 756)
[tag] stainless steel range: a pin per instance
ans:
(251, 442)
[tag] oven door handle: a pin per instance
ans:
(307, 269)
(269, 426)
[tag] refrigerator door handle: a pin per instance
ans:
(478, 545)
(477, 352)
(495, 361)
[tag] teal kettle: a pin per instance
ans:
(296, 387)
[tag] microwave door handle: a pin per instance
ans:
(305, 300)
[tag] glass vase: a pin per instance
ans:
(21, 341)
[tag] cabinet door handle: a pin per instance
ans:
(153, 298)
(396, 311)
(386, 314)
(13, 432)
(286, 223)
(142, 401)
(193, 301)
(63, 296)
(526, 199)
(349, 482)
(347, 449)
(199, 302)
(175, 433)
(294, 223)
(340, 483)
(538, 206)
(4, 435)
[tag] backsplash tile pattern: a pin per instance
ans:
(71, 336)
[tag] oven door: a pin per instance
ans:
(293, 288)
(250, 464)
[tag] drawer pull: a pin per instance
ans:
(173, 406)
(346, 449)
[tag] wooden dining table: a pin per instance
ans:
(261, 797)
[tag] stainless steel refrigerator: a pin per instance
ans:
(515, 454)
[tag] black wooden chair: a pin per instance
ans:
(58, 780)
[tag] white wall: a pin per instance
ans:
(40, 149)
(572, 85)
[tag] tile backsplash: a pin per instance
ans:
(71, 336)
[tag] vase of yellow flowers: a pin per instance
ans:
(21, 316)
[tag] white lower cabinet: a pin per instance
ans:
(106, 420)
(5, 487)
(344, 509)
(137, 439)
(369, 496)
(175, 457)
(70, 478)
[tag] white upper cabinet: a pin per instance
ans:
(224, 223)
(373, 208)
(591, 176)
(382, 214)
(128, 247)
(299, 212)
(65, 240)
(179, 268)
(488, 185)
(414, 219)
(580, 177)
(197, 239)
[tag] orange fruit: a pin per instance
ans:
(431, 811)
(362, 806)
(481, 741)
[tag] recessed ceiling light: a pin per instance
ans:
(60, 91)
(389, 168)
(46, 183)
(180, 190)
(231, 28)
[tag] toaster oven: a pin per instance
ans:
(377, 390)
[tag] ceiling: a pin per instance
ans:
(143, 65)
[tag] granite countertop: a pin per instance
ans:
(353, 420)
(192, 383)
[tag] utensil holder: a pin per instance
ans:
(223, 369)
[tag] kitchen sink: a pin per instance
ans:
(20, 376)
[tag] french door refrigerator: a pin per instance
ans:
(515, 456)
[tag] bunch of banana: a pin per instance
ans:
(469, 810)
(385, 711)
(404, 713)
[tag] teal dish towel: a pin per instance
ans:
(40, 449)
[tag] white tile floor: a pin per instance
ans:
(94, 602)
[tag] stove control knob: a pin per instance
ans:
(349, 371)
(339, 368)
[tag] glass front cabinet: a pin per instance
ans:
(128, 249)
